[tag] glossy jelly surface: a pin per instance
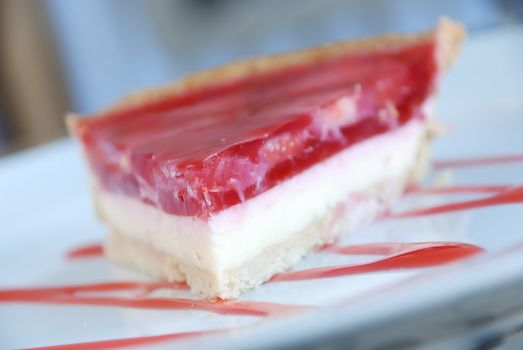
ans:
(197, 153)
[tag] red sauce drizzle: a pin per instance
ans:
(511, 196)
(404, 256)
(462, 189)
(467, 162)
(70, 295)
(125, 342)
(87, 251)
(132, 286)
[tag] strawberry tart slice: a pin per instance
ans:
(232, 175)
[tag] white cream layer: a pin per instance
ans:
(236, 235)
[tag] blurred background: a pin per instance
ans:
(61, 55)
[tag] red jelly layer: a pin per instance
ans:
(198, 153)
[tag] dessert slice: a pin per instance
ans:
(233, 174)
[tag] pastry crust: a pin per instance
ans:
(448, 35)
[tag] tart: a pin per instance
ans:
(232, 175)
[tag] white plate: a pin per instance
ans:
(45, 210)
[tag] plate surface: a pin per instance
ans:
(45, 211)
